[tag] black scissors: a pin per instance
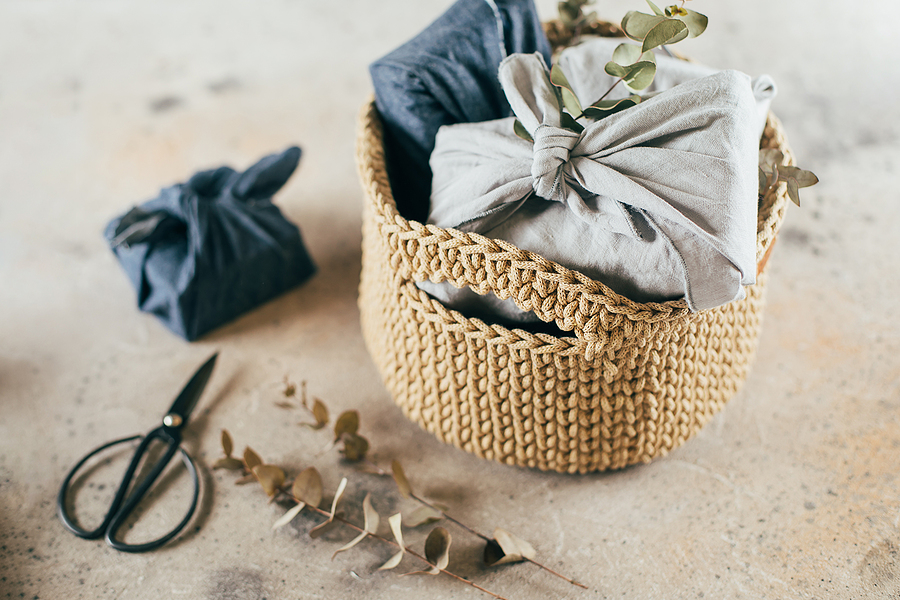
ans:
(170, 434)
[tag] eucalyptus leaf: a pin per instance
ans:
(251, 458)
(337, 495)
(229, 463)
(286, 405)
(350, 544)
(615, 69)
(604, 108)
(402, 482)
(423, 515)
(569, 122)
(668, 31)
(637, 25)
(655, 8)
(290, 389)
(397, 529)
(288, 516)
(511, 548)
(270, 477)
(348, 422)
(570, 100)
(307, 486)
(227, 445)
(520, 131)
(803, 178)
(355, 446)
(437, 548)
(771, 156)
(763, 181)
(392, 562)
(320, 414)
(793, 191)
(640, 75)
(696, 22)
(627, 54)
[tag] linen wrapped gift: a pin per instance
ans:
(657, 201)
(205, 251)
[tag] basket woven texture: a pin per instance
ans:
(634, 381)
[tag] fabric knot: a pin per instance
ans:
(552, 146)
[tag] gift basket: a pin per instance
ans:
(591, 379)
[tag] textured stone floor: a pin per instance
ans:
(791, 492)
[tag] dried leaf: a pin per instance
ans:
(804, 178)
(668, 31)
(229, 463)
(286, 405)
(437, 548)
(337, 495)
(793, 191)
(422, 515)
(290, 389)
(270, 477)
(771, 156)
(348, 422)
(320, 414)
(370, 515)
(251, 458)
(400, 478)
(355, 447)
(323, 528)
(307, 487)
(227, 445)
(371, 525)
(507, 548)
(350, 544)
(520, 131)
(288, 516)
(396, 528)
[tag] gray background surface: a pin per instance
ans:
(790, 492)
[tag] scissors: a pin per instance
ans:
(170, 434)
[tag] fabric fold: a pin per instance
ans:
(657, 201)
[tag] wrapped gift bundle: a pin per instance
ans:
(571, 301)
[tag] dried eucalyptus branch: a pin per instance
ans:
(503, 548)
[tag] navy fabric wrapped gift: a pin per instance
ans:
(203, 252)
(445, 75)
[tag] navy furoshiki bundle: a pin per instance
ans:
(205, 251)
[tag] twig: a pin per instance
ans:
(406, 549)
(489, 540)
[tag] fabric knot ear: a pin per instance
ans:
(552, 146)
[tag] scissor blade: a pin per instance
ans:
(187, 399)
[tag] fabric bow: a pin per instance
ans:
(657, 201)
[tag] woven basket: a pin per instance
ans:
(634, 381)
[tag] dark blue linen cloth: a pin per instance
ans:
(445, 75)
(203, 252)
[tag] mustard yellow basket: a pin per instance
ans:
(632, 382)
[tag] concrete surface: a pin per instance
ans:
(791, 492)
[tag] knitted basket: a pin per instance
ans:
(635, 380)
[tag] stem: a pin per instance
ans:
(609, 90)
(406, 549)
(487, 539)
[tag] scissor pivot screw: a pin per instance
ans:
(172, 420)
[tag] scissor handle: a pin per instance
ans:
(121, 506)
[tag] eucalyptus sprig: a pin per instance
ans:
(306, 493)
(633, 66)
(773, 171)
